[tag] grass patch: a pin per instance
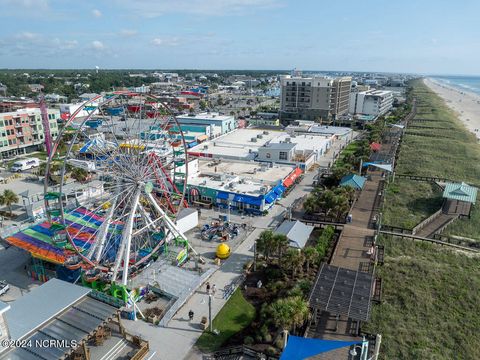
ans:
(349, 150)
(466, 227)
(235, 316)
(409, 202)
(429, 304)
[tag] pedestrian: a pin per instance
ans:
(214, 289)
(190, 314)
(208, 287)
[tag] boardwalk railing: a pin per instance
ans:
(426, 221)
(475, 247)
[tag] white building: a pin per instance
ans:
(371, 102)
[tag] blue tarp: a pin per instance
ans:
(248, 200)
(222, 195)
(271, 197)
(279, 189)
(192, 144)
(299, 348)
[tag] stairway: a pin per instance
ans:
(436, 225)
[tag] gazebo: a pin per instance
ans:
(459, 198)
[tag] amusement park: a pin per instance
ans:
(120, 229)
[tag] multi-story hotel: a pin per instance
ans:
(314, 98)
(21, 131)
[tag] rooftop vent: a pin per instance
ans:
(259, 136)
(265, 132)
(253, 139)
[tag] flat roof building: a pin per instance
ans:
(249, 187)
(225, 122)
(371, 102)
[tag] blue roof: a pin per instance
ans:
(353, 180)
(461, 192)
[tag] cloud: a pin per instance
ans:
(154, 8)
(128, 33)
(26, 35)
(36, 4)
(28, 43)
(166, 41)
(97, 13)
(98, 45)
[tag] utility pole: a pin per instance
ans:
(255, 255)
(210, 312)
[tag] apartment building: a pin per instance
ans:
(314, 98)
(371, 102)
(21, 131)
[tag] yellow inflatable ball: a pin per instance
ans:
(223, 251)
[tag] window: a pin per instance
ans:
(268, 155)
(283, 155)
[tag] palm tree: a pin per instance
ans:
(293, 261)
(8, 198)
(266, 243)
(288, 313)
(300, 310)
(310, 255)
(281, 243)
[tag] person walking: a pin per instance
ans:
(208, 288)
(214, 289)
(190, 314)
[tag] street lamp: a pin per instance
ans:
(363, 348)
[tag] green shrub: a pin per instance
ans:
(271, 351)
(248, 340)
(267, 338)
(273, 274)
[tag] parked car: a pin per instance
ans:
(25, 164)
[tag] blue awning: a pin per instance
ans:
(271, 197)
(279, 189)
(247, 200)
(299, 348)
(222, 195)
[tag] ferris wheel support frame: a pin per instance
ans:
(123, 250)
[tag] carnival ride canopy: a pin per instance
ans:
(81, 224)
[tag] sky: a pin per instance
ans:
(413, 36)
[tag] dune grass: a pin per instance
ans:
(429, 306)
(440, 146)
(235, 316)
(409, 202)
(447, 150)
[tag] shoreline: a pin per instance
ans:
(465, 104)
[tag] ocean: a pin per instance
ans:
(466, 83)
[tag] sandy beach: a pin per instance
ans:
(465, 104)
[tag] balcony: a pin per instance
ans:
(18, 125)
(19, 134)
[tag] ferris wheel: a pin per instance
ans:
(128, 152)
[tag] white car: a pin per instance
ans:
(4, 287)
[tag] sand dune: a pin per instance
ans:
(465, 104)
